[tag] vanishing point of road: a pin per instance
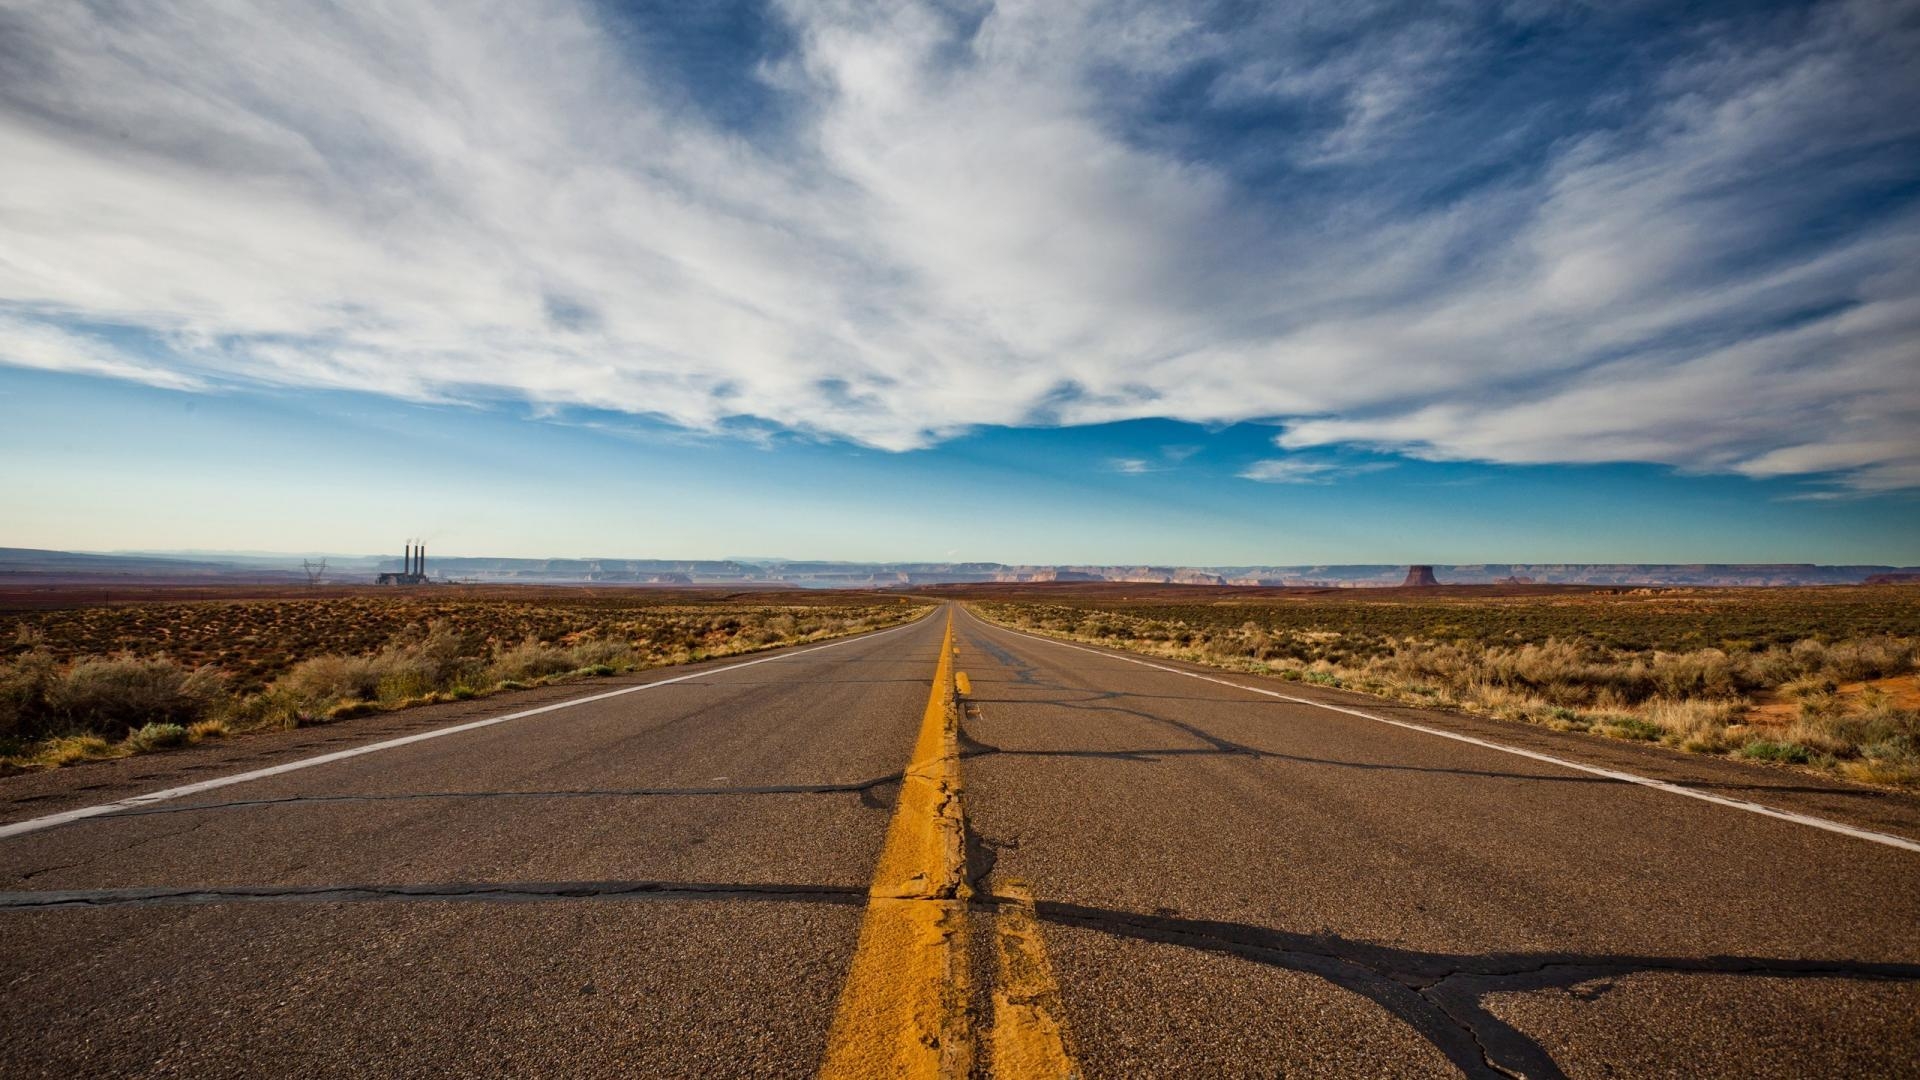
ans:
(951, 849)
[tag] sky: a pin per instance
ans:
(1206, 284)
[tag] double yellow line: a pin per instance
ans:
(905, 1010)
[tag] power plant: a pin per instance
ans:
(414, 568)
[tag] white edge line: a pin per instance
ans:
(1612, 774)
(36, 824)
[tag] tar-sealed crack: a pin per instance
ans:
(505, 892)
(1439, 995)
(863, 788)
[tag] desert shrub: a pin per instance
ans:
(418, 662)
(1808, 655)
(25, 683)
(156, 737)
(68, 749)
(325, 679)
(1630, 727)
(1771, 750)
(1701, 673)
(432, 658)
(112, 696)
(531, 659)
(1879, 725)
(1700, 726)
(613, 655)
(1868, 658)
(1768, 667)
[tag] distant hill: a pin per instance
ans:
(39, 566)
(32, 566)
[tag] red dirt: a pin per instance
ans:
(1903, 692)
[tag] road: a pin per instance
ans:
(818, 862)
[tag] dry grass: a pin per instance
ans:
(59, 705)
(1685, 677)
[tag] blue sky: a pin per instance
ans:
(1212, 283)
(97, 464)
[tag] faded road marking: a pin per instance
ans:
(903, 1010)
(1029, 1025)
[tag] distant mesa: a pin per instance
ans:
(1419, 577)
(1892, 579)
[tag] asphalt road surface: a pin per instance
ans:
(829, 860)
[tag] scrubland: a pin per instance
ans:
(92, 682)
(1822, 678)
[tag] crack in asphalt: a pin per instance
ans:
(1440, 995)
(863, 788)
(532, 891)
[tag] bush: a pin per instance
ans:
(1868, 658)
(69, 749)
(326, 679)
(1880, 725)
(531, 659)
(608, 654)
(24, 686)
(111, 697)
(1699, 726)
(1631, 727)
(1769, 750)
(156, 737)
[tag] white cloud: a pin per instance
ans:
(959, 230)
(1293, 470)
(30, 344)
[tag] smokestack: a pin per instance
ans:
(406, 561)
(423, 560)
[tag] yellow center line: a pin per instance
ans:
(1029, 1026)
(904, 1011)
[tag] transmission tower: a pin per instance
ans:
(315, 570)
